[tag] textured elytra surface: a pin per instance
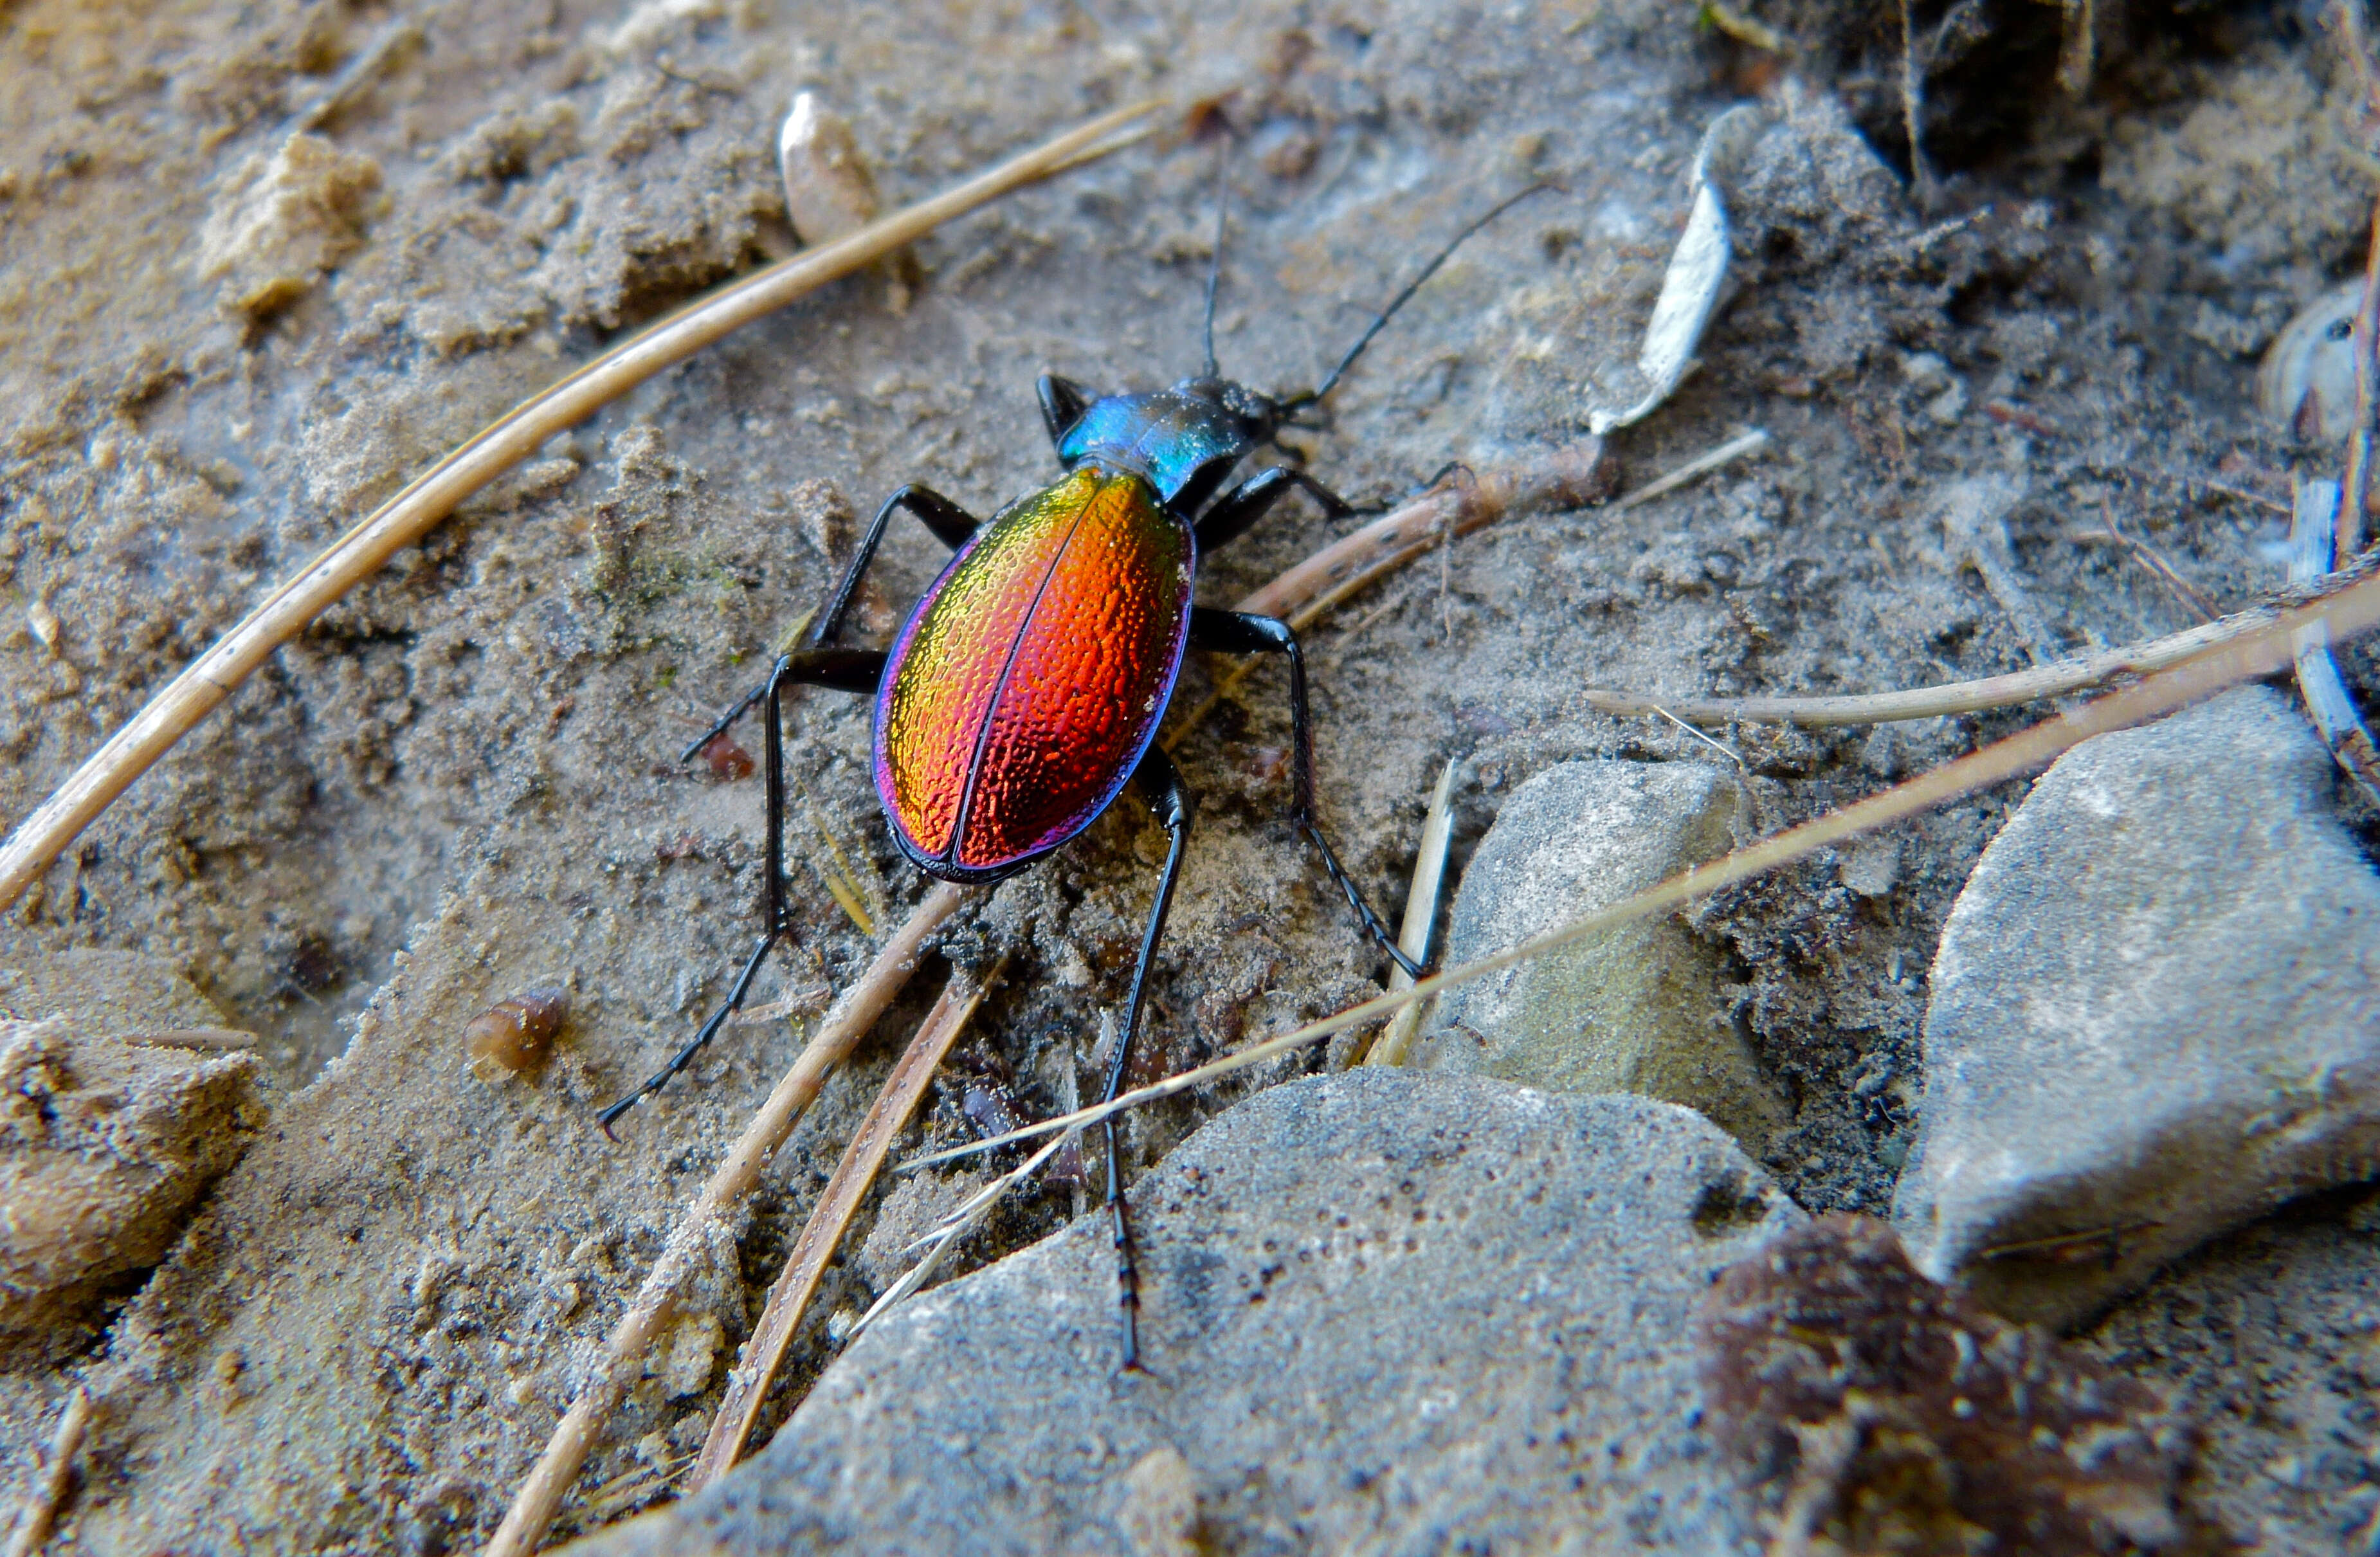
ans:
(374, 1327)
(1035, 671)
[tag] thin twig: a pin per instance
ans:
(1421, 917)
(2324, 691)
(957, 1226)
(705, 1219)
(434, 494)
(1912, 113)
(2354, 609)
(747, 1384)
(2355, 42)
(2056, 679)
(49, 1493)
(2353, 526)
(2192, 595)
(1700, 466)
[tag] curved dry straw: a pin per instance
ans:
(434, 494)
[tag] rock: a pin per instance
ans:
(1382, 1308)
(2153, 1014)
(1884, 1413)
(104, 1147)
(1638, 1009)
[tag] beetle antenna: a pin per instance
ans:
(1299, 401)
(1215, 266)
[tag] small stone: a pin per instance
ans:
(2151, 1016)
(1159, 1516)
(829, 191)
(684, 1358)
(105, 1147)
(291, 219)
(1636, 1010)
(1872, 867)
(1378, 1307)
(1879, 1412)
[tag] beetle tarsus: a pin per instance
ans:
(1239, 632)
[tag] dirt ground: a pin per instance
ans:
(261, 263)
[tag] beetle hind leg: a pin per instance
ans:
(1237, 632)
(850, 670)
(1160, 784)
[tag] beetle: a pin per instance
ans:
(1024, 691)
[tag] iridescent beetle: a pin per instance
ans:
(1025, 689)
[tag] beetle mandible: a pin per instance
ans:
(1024, 691)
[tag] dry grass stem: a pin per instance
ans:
(747, 1384)
(810, 997)
(2270, 647)
(957, 1226)
(1421, 915)
(2354, 524)
(49, 1493)
(432, 496)
(2056, 679)
(1694, 470)
(704, 1222)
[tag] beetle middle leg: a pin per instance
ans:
(1236, 632)
(844, 670)
(1160, 784)
(952, 526)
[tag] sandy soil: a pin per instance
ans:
(260, 263)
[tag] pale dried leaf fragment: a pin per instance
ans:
(2306, 387)
(1697, 272)
(829, 190)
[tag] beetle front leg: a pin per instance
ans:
(844, 670)
(1237, 509)
(1236, 632)
(1062, 403)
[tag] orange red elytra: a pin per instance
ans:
(1023, 694)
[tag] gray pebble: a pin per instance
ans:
(1384, 1311)
(2155, 1014)
(1636, 1010)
